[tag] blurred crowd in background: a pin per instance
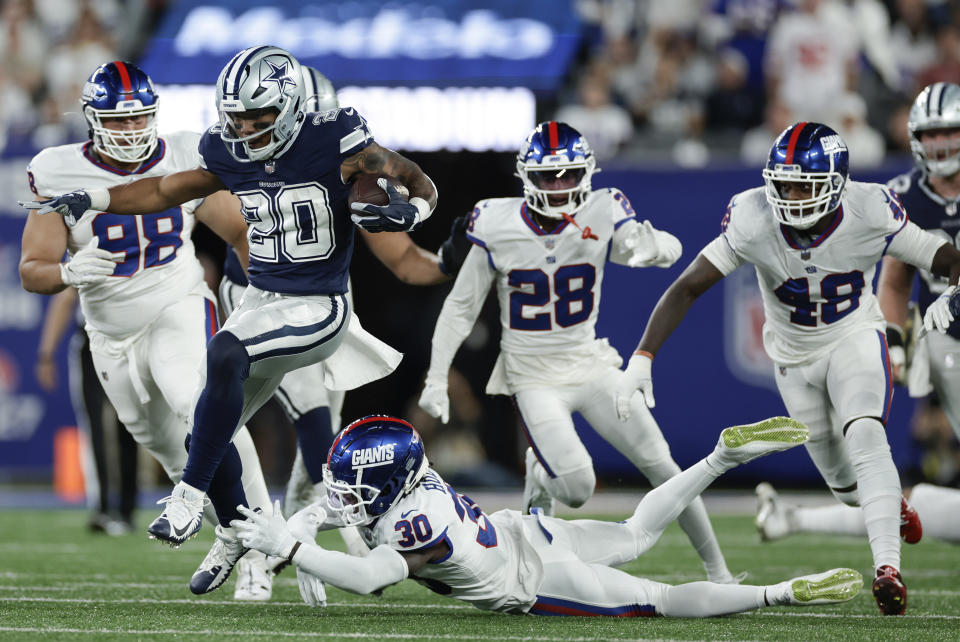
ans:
(682, 82)
(699, 80)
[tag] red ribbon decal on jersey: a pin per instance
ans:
(585, 232)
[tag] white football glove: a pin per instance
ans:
(303, 524)
(653, 247)
(269, 535)
(312, 590)
(938, 314)
(89, 265)
(898, 363)
(435, 400)
(635, 377)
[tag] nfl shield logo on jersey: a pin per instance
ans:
(550, 243)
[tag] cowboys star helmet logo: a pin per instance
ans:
(280, 75)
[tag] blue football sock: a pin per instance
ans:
(218, 409)
(314, 434)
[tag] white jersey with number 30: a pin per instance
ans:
(491, 564)
(818, 292)
(158, 266)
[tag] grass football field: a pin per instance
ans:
(58, 582)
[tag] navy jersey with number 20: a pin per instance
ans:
(300, 232)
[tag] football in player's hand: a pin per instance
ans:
(366, 190)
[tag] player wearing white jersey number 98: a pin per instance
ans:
(546, 252)
(815, 239)
(149, 313)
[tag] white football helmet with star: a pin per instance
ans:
(256, 79)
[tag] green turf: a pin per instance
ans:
(59, 582)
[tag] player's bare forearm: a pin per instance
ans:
(156, 194)
(408, 261)
(672, 307)
(946, 262)
(893, 289)
(42, 245)
(375, 159)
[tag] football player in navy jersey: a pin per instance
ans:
(291, 171)
(931, 193)
(313, 410)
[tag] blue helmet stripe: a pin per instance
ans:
(239, 68)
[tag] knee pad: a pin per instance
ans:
(866, 441)
(226, 358)
(574, 489)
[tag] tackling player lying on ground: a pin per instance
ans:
(815, 239)
(378, 478)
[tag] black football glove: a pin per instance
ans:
(454, 250)
(397, 216)
(70, 206)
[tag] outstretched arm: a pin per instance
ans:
(457, 317)
(382, 567)
(149, 195)
(408, 261)
(699, 277)
(667, 315)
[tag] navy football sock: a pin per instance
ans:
(314, 434)
(218, 409)
(226, 487)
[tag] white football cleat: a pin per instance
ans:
(182, 515)
(830, 587)
(740, 444)
(535, 495)
(774, 518)
(254, 580)
(219, 562)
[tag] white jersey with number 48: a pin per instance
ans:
(158, 266)
(817, 291)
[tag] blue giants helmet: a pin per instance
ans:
(257, 79)
(116, 90)
(556, 166)
(372, 464)
(807, 153)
